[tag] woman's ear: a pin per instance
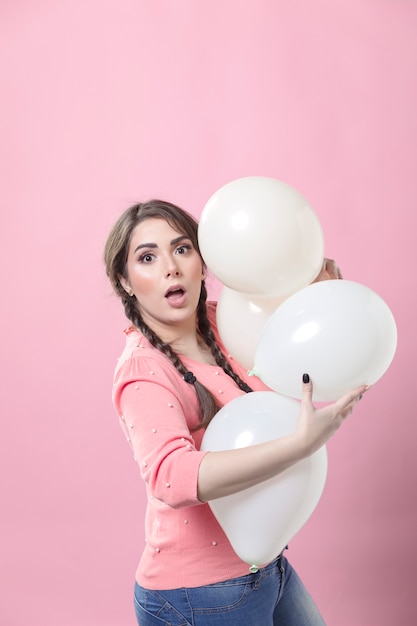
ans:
(125, 284)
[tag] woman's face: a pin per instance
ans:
(165, 272)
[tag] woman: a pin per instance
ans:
(171, 378)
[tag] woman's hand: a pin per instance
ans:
(316, 426)
(329, 271)
(224, 472)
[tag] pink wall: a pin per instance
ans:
(110, 101)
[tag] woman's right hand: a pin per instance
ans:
(316, 426)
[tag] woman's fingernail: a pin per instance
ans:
(306, 378)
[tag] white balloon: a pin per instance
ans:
(240, 321)
(258, 235)
(261, 520)
(340, 332)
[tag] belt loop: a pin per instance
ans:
(258, 578)
(281, 554)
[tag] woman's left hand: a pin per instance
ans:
(329, 271)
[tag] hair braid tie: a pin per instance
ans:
(189, 378)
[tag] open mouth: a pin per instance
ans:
(175, 293)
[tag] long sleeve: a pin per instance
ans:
(163, 446)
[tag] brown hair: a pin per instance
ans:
(115, 257)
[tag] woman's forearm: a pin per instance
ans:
(223, 473)
(226, 472)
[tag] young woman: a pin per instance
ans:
(171, 379)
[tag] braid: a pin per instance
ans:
(207, 402)
(135, 317)
(208, 336)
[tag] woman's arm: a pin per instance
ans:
(227, 472)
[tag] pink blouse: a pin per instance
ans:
(185, 546)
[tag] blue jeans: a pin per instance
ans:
(273, 596)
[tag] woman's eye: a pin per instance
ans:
(146, 258)
(183, 249)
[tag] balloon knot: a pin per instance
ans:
(253, 569)
(251, 372)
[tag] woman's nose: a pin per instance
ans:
(172, 268)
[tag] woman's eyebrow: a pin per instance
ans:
(145, 245)
(173, 242)
(178, 239)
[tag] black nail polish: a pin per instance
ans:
(306, 378)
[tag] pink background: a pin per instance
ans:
(105, 102)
